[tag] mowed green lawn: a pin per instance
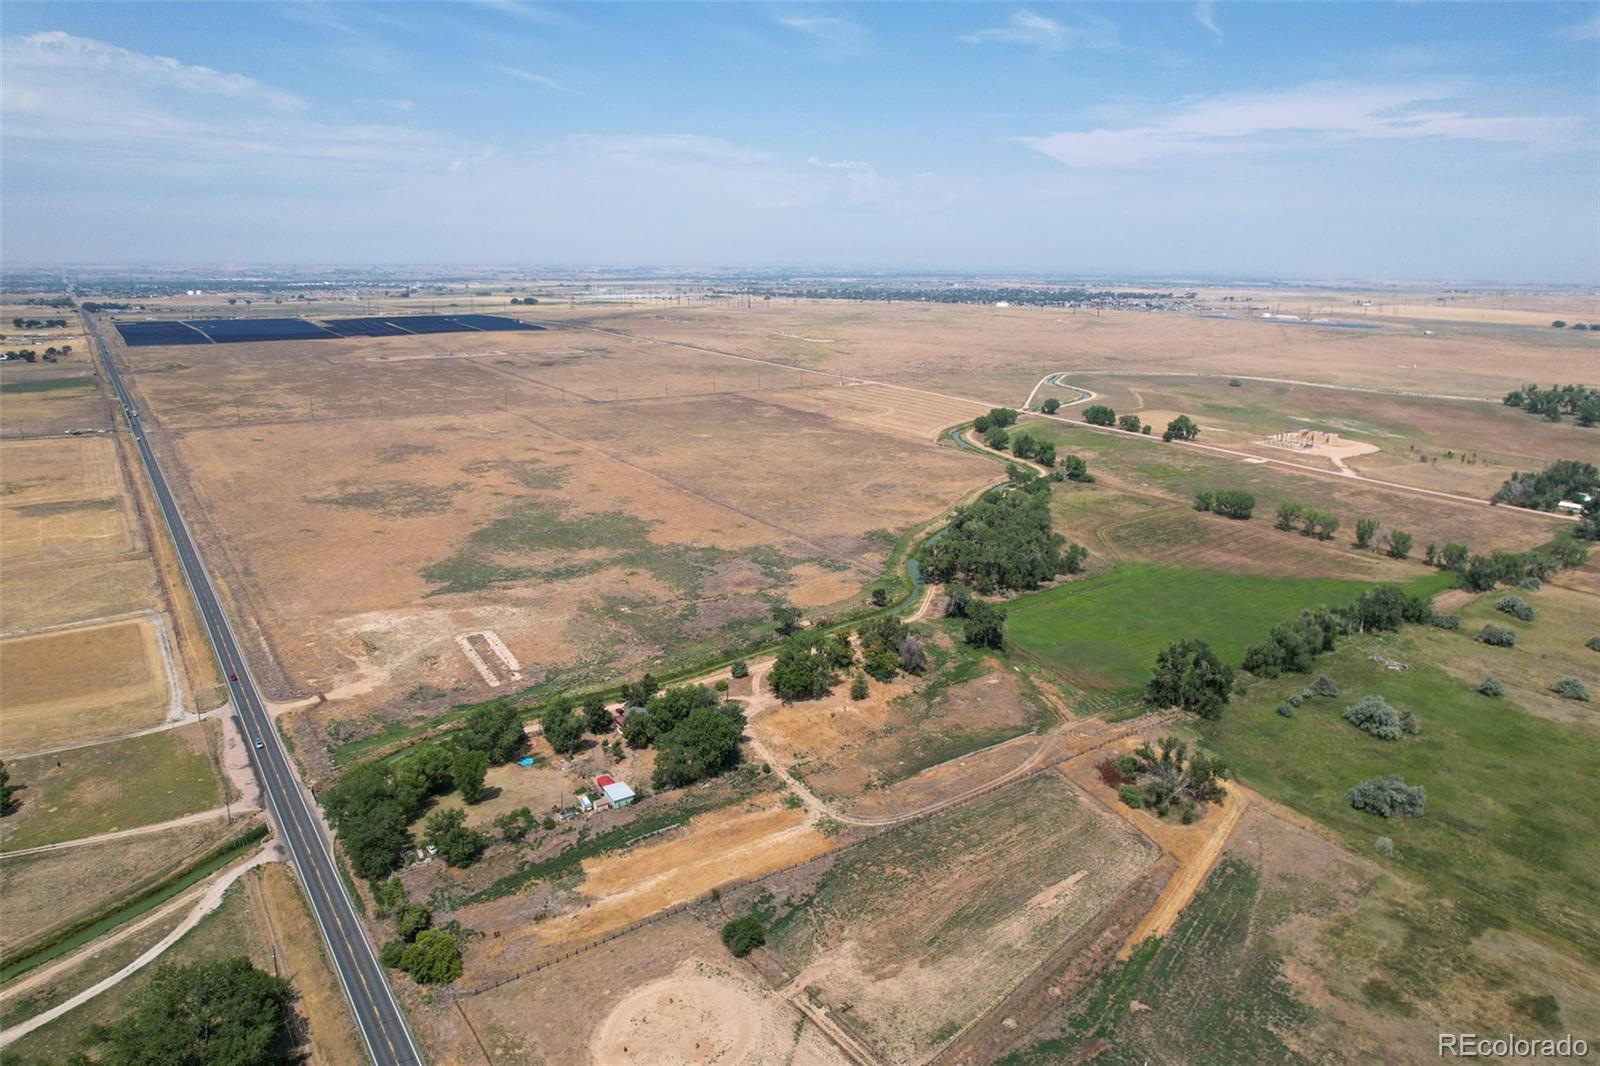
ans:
(1511, 825)
(1104, 632)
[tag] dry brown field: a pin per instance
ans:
(81, 683)
(64, 500)
(714, 849)
(916, 933)
(998, 354)
(495, 493)
(668, 992)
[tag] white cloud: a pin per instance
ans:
(841, 35)
(1205, 13)
(73, 100)
(1587, 30)
(1324, 111)
(534, 79)
(1047, 34)
(51, 56)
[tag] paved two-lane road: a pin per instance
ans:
(377, 1014)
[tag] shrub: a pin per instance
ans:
(1324, 687)
(1570, 688)
(1492, 687)
(1110, 773)
(1131, 795)
(1234, 503)
(1497, 637)
(1593, 643)
(740, 668)
(1051, 405)
(1296, 700)
(1387, 797)
(721, 684)
(1383, 846)
(743, 935)
(1099, 415)
(1130, 423)
(434, 958)
(1516, 607)
(1286, 710)
(1444, 621)
(858, 689)
(1372, 714)
(1204, 501)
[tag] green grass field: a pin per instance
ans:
(1104, 632)
(1511, 826)
(45, 385)
(119, 785)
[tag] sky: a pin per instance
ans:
(1370, 141)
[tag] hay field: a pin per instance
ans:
(923, 928)
(122, 784)
(62, 500)
(79, 684)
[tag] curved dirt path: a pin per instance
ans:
(209, 901)
(122, 834)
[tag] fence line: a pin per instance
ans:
(733, 886)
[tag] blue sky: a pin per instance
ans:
(1370, 141)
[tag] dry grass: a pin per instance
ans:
(82, 683)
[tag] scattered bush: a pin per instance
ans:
(1324, 687)
(1444, 621)
(1131, 795)
(1570, 688)
(1387, 797)
(740, 668)
(1516, 607)
(1051, 405)
(1492, 687)
(1383, 846)
(1497, 636)
(1204, 501)
(743, 935)
(1593, 643)
(1130, 423)
(1398, 544)
(1110, 773)
(1075, 468)
(858, 689)
(1296, 700)
(1372, 714)
(1286, 710)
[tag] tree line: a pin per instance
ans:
(1578, 401)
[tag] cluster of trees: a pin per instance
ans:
(1025, 446)
(888, 646)
(1098, 414)
(217, 1010)
(564, 726)
(1229, 503)
(1166, 777)
(1387, 797)
(431, 956)
(373, 805)
(1564, 479)
(1480, 573)
(1181, 428)
(1015, 295)
(1189, 675)
(1074, 468)
(529, 300)
(1579, 401)
(1309, 521)
(997, 418)
(983, 623)
(1373, 715)
(1291, 647)
(1003, 541)
(808, 664)
(694, 731)
(5, 790)
(39, 323)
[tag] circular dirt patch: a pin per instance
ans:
(685, 1018)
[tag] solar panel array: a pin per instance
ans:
(238, 330)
